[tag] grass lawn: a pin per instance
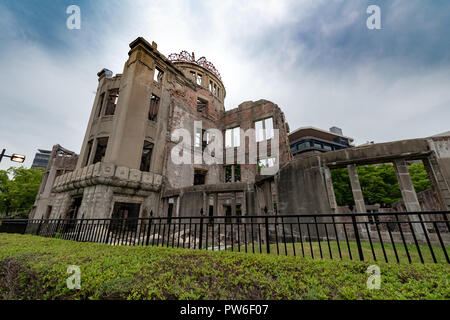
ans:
(352, 250)
(33, 267)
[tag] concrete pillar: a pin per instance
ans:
(330, 189)
(406, 186)
(205, 203)
(356, 189)
(408, 194)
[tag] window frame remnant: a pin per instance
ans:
(89, 150)
(202, 105)
(100, 149)
(113, 98)
(263, 130)
(233, 135)
(146, 156)
(154, 107)
(158, 75)
(198, 79)
(200, 176)
(100, 105)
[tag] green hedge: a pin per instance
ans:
(32, 267)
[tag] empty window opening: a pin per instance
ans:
(215, 89)
(233, 173)
(201, 105)
(112, 102)
(199, 141)
(210, 86)
(89, 150)
(227, 209)
(233, 137)
(125, 216)
(238, 213)
(193, 75)
(170, 211)
(100, 151)
(264, 129)
(211, 214)
(199, 79)
(100, 105)
(199, 176)
(154, 106)
(158, 75)
(266, 163)
(146, 157)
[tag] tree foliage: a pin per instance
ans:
(18, 190)
(378, 183)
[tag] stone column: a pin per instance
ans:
(233, 204)
(408, 194)
(330, 189)
(356, 189)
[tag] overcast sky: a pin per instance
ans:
(316, 59)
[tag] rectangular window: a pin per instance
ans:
(112, 102)
(215, 89)
(193, 76)
(89, 150)
(233, 173)
(100, 105)
(327, 147)
(228, 174)
(158, 75)
(264, 129)
(100, 151)
(233, 137)
(210, 86)
(154, 106)
(146, 157)
(199, 176)
(294, 148)
(199, 79)
(201, 105)
(266, 163)
(317, 145)
(211, 214)
(237, 173)
(125, 216)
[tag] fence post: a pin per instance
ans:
(267, 234)
(79, 230)
(201, 233)
(148, 231)
(358, 241)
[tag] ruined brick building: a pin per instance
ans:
(125, 167)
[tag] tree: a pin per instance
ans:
(18, 190)
(378, 183)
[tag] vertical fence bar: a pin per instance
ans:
(381, 241)
(358, 241)
(403, 238)
(440, 241)
(267, 235)
(427, 238)
(370, 241)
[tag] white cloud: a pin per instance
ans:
(47, 96)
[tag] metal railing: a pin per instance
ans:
(391, 237)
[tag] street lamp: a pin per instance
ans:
(14, 157)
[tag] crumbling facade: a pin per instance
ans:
(162, 109)
(125, 167)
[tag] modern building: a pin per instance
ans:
(41, 158)
(308, 140)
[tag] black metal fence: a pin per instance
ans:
(391, 237)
